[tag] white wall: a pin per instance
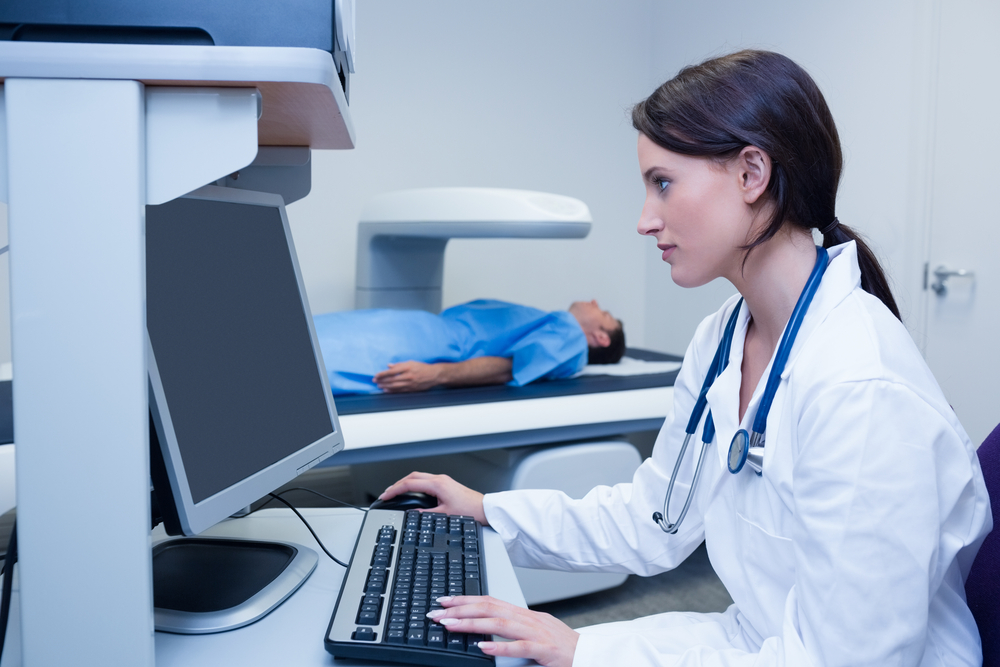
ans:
(536, 95)
(519, 94)
(863, 55)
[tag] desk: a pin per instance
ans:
(293, 633)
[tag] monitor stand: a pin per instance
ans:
(203, 585)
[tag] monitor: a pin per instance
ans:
(240, 401)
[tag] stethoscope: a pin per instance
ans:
(745, 448)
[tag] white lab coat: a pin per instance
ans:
(851, 549)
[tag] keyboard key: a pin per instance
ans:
(415, 636)
(396, 636)
(472, 644)
(456, 641)
(364, 635)
(435, 638)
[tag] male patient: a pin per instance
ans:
(476, 343)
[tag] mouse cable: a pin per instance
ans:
(317, 493)
(8, 579)
(315, 536)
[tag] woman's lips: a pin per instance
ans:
(667, 250)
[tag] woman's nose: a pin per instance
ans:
(649, 221)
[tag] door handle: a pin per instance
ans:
(942, 273)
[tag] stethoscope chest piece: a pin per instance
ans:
(746, 448)
(738, 449)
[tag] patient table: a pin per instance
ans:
(381, 427)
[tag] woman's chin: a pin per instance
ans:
(685, 279)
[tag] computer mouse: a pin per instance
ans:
(411, 500)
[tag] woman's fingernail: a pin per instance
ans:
(487, 646)
(437, 613)
(444, 598)
(448, 621)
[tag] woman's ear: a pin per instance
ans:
(754, 169)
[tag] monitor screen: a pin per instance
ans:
(239, 398)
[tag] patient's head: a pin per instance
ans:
(605, 335)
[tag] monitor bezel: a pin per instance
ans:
(193, 518)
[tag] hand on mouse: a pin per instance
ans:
(453, 498)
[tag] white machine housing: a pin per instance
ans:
(402, 236)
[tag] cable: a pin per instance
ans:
(315, 536)
(8, 579)
(315, 493)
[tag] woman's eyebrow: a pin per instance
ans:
(655, 170)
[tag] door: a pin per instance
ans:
(962, 337)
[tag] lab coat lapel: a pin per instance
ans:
(841, 278)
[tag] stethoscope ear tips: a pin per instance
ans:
(657, 517)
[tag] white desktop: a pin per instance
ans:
(293, 633)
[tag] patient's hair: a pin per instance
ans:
(763, 99)
(613, 352)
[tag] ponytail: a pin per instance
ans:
(873, 278)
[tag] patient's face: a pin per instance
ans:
(593, 321)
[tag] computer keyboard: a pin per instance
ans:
(403, 562)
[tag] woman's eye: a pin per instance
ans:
(662, 184)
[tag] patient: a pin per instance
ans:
(477, 343)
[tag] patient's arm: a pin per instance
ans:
(418, 376)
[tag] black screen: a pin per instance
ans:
(230, 340)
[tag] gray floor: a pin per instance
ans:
(691, 587)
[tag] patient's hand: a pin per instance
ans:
(408, 376)
(418, 376)
(453, 498)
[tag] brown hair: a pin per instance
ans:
(763, 99)
(611, 353)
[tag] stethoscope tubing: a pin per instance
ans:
(788, 338)
(754, 441)
(719, 363)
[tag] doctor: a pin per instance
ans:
(851, 544)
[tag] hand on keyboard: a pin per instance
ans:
(535, 635)
(402, 564)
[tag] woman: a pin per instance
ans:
(852, 545)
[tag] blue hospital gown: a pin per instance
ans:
(357, 344)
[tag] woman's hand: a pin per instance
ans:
(408, 376)
(535, 635)
(453, 498)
